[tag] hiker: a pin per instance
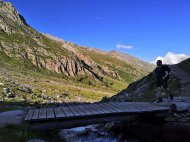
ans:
(162, 76)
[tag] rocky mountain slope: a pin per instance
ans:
(145, 88)
(26, 52)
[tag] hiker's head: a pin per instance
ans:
(159, 62)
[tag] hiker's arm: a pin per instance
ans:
(166, 74)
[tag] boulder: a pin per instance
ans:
(180, 106)
(72, 134)
(176, 132)
(11, 117)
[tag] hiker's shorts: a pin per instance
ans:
(161, 83)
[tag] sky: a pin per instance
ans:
(143, 28)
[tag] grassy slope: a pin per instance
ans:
(185, 65)
(109, 85)
(127, 72)
(148, 89)
(41, 79)
(150, 93)
(80, 88)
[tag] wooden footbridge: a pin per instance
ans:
(68, 116)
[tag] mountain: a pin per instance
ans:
(58, 69)
(145, 88)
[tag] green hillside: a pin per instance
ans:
(55, 70)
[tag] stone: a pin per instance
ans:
(11, 117)
(9, 93)
(180, 106)
(35, 140)
(26, 89)
(72, 134)
(113, 126)
(176, 132)
(1, 84)
(14, 83)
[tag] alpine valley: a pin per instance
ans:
(38, 67)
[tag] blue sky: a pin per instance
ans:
(142, 28)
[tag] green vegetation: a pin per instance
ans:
(48, 85)
(41, 79)
(22, 133)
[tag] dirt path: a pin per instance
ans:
(184, 78)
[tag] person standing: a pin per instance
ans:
(162, 76)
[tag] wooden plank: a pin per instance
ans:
(85, 110)
(50, 113)
(35, 114)
(142, 108)
(75, 112)
(92, 109)
(145, 107)
(150, 107)
(161, 107)
(100, 109)
(42, 113)
(29, 114)
(119, 106)
(78, 110)
(58, 112)
(154, 107)
(129, 107)
(123, 109)
(114, 107)
(105, 107)
(67, 111)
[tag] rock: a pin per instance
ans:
(1, 84)
(146, 132)
(14, 83)
(176, 132)
(180, 106)
(6, 90)
(26, 89)
(113, 126)
(72, 134)
(9, 93)
(43, 96)
(35, 140)
(11, 117)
